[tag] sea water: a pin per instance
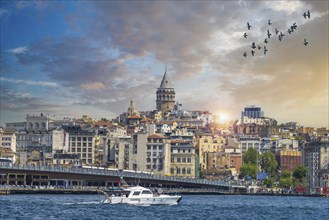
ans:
(191, 207)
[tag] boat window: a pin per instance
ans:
(146, 192)
(136, 193)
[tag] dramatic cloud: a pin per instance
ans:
(29, 82)
(109, 52)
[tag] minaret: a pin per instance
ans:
(132, 110)
(165, 100)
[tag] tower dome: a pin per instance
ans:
(165, 100)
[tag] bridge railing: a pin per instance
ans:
(117, 173)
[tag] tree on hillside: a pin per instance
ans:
(299, 173)
(251, 156)
(248, 169)
(104, 119)
(285, 179)
(268, 163)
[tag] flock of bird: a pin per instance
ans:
(278, 33)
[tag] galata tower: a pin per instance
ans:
(165, 95)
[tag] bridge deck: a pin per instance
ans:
(58, 172)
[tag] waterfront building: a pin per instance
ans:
(155, 153)
(16, 126)
(235, 157)
(285, 144)
(182, 158)
(37, 157)
(39, 123)
(117, 151)
(53, 138)
(218, 165)
(246, 142)
(166, 126)
(139, 151)
(208, 144)
(7, 140)
(123, 153)
(165, 95)
(288, 159)
(315, 156)
(66, 159)
(83, 143)
(252, 112)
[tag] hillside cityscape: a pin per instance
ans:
(173, 141)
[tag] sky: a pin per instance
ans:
(74, 58)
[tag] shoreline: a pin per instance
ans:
(96, 191)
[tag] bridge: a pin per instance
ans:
(58, 176)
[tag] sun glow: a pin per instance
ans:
(223, 117)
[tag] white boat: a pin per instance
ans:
(138, 195)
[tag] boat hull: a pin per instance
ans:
(157, 200)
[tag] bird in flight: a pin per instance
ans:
(281, 36)
(276, 31)
(265, 50)
(249, 26)
(294, 26)
(245, 54)
(259, 47)
(268, 34)
(252, 52)
(305, 42)
(245, 35)
(265, 41)
(307, 14)
(253, 46)
(269, 22)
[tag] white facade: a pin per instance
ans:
(258, 121)
(8, 140)
(16, 125)
(54, 138)
(249, 142)
(83, 144)
(285, 144)
(39, 122)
